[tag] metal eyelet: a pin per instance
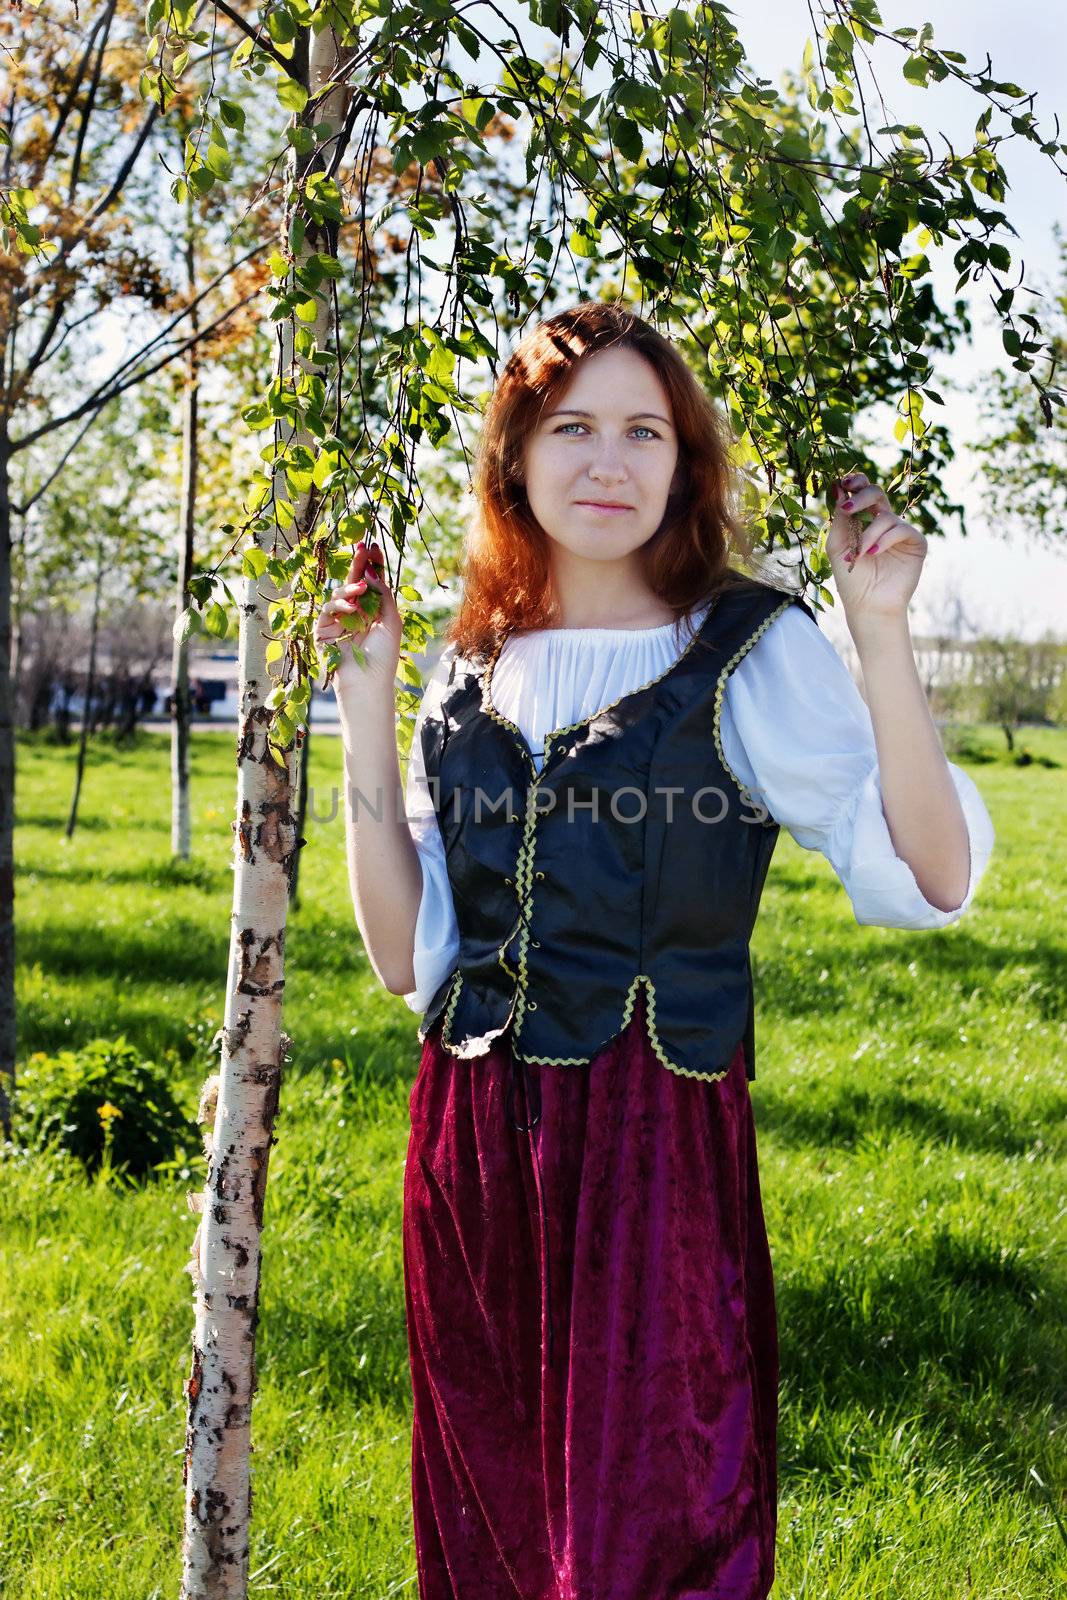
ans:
(507, 880)
(538, 874)
(531, 1005)
(536, 943)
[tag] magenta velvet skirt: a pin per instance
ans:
(591, 1330)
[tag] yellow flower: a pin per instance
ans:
(107, 1111)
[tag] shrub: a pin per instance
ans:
(102, 1093)
(961, 744)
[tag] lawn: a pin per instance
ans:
(910, 1105)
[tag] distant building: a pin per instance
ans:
(215, 671)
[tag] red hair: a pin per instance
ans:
(506, 569)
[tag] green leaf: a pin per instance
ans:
(280, 25)
(254, 562)
(292, 95)
(232, 114)
(841, 37)
(186, 624)
(215, 620)
(218, 160)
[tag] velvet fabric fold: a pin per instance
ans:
(641, 1463)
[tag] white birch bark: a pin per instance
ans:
(241, 1100)
(181, 713)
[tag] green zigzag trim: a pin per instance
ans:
(653, 1039)
(720, 687)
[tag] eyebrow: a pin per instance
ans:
(569, 411)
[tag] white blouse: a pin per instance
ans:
(794, 728)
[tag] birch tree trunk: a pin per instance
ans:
(7, 800)
(181, 710)
(242, 1098)
(90, 688)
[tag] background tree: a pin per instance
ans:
(96, 548)
(79, 203)
(1023, 474)
(1016, 681)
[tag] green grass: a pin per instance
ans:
(910, 1105)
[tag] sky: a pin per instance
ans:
(1006, 585)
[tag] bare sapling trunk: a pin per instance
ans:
(8, 1032)
(90, 690)
(181, 709)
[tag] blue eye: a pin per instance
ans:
(640, 428)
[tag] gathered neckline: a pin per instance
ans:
(489, 709)
(660, 627)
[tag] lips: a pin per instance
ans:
(608, 505)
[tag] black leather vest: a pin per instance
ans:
(634, 856)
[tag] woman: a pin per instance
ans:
(567, 893)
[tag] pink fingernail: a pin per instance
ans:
(872, 548)
(847, 504)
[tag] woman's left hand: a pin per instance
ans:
(881, 579)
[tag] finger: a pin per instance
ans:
(365, 555)
(863, 499)
(882, 542)
(346, 599)
(357, 565)
(882, 523)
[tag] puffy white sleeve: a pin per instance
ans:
(436, 929)
(797, 732)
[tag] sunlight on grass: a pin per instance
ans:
(910, 1103)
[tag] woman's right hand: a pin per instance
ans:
(342, 618)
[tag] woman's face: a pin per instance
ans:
(608, 437)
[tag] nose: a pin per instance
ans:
(608, 466)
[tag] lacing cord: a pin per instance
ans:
(528, 1127)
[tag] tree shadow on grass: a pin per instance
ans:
(788, 985)
(179, 952)
(844, 1114)
(951, 1327)
(55, 822)
(167, 874)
